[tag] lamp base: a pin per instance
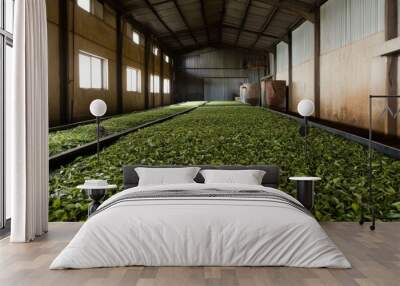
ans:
(96, 195)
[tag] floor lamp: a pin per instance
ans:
(98, 108)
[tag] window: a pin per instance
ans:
(6, 71)
(85, 5)
(9, 9)
(133, 79)
(8, 90)
(135, 38)
(93, 71)
(167, 86)
(98, 9)
(154, 84)
(166, 58)
(155, 51)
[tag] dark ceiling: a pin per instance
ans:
(187, 25)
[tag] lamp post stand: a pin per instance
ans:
(305, 140)
(98, 138)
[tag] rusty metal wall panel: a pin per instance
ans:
(282, 57)
(303, 43)
(346, 21)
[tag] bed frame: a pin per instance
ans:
(270, 179)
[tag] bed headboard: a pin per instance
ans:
(271, 177)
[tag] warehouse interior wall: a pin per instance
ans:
(282, 62)
(303, 65)
(133, 58)
(216, 73)
(351, 31)
(54, 61)
(350, 67)
(95, 33)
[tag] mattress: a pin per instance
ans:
(201, 225)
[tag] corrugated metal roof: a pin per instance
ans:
(189, 24)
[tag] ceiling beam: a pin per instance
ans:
(163, 22)
(185, 21)
(251, 32)
(266, 25)
(297, 7)
(217, 45)
(203, 15)
(221, 21)
(246, 13)
(131, 7)
(285, 37)
(185, 32)
(161, 2)
(144, 29)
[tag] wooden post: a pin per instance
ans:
(391, 19)
(146, 70)
(317, 53)
(120, 51)
(172, 75)
(275, 65)
(153, 72)
(290, 78)
(65, 116)
(161, 77)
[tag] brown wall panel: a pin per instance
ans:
(167, 70)
(133, 52)
(157, 100)
(133, 57)
(302, 84)
(97, 36)
(94, 29)
(54, 75)
(132, 100)
(348, 76)
(52, 11)
(110, 17)
(53, 66)
(157, 64)
(167, 99)
(82, 97)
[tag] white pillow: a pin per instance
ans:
(166, 176)
(247, 177)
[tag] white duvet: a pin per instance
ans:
(202, 232)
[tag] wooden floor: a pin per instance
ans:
(375, 257)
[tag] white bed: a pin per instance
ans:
(185, 230)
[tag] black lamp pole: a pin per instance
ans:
(98, 138)
(305, 139)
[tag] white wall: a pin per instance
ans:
(282, 62)
(351, 30)
(303, 43)
(303, 65)
(282, 57)
(346, 21)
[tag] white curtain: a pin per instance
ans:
(27, 124)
